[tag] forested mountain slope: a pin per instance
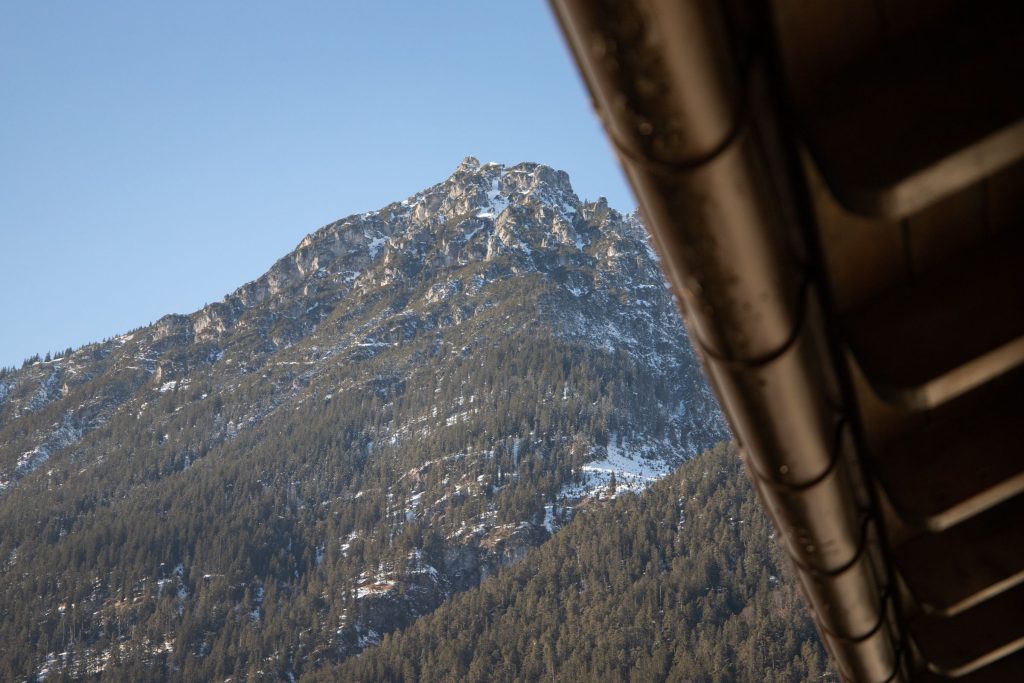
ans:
(410, 400)
(680, 583)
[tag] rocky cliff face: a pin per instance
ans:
(424, 391)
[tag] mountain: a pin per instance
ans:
(680, 583)
(411, 399)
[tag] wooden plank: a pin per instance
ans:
(897, 132)
(979, 637)
(817, 39)
(944, 333)
(863, 256)
(964, 459)
(952, 571)
(946, 230)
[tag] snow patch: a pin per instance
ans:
(375, 244)
(495, 202)
(633, 467)
(549, 518)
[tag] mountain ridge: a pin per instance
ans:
(371, 231)
(410, 399)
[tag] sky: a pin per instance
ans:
(156, 156)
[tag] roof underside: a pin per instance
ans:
(837, 192)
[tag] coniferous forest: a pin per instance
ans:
(469, 390)
(682, 583)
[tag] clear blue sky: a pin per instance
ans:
(155, 156)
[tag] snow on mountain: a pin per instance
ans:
(413, 397)
(484, 225)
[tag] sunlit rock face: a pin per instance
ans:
(423, 392)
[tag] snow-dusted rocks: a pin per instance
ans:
(426, 392)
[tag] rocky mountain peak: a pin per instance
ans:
(452, 247)
(481, 212)
(468, 164)
(411, 398)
